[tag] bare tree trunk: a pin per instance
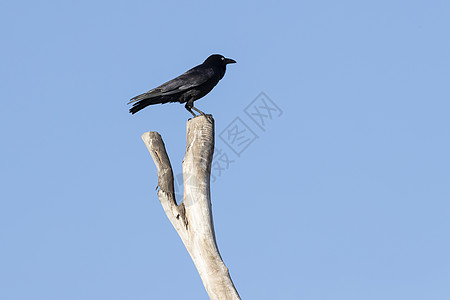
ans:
(192, 219)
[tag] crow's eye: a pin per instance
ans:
(222, 58)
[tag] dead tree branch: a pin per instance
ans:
(192, 219)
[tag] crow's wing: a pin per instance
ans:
(190, 79)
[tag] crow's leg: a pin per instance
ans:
(198, 110)
(190, 105)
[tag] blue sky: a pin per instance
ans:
(345, 195)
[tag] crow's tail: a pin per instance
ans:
(138, 105)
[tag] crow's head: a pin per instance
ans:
(220, 60)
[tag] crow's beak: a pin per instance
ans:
(229, 61)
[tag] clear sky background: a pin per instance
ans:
(345, 195)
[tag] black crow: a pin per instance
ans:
(188, 87)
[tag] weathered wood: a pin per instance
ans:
(192, 219)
